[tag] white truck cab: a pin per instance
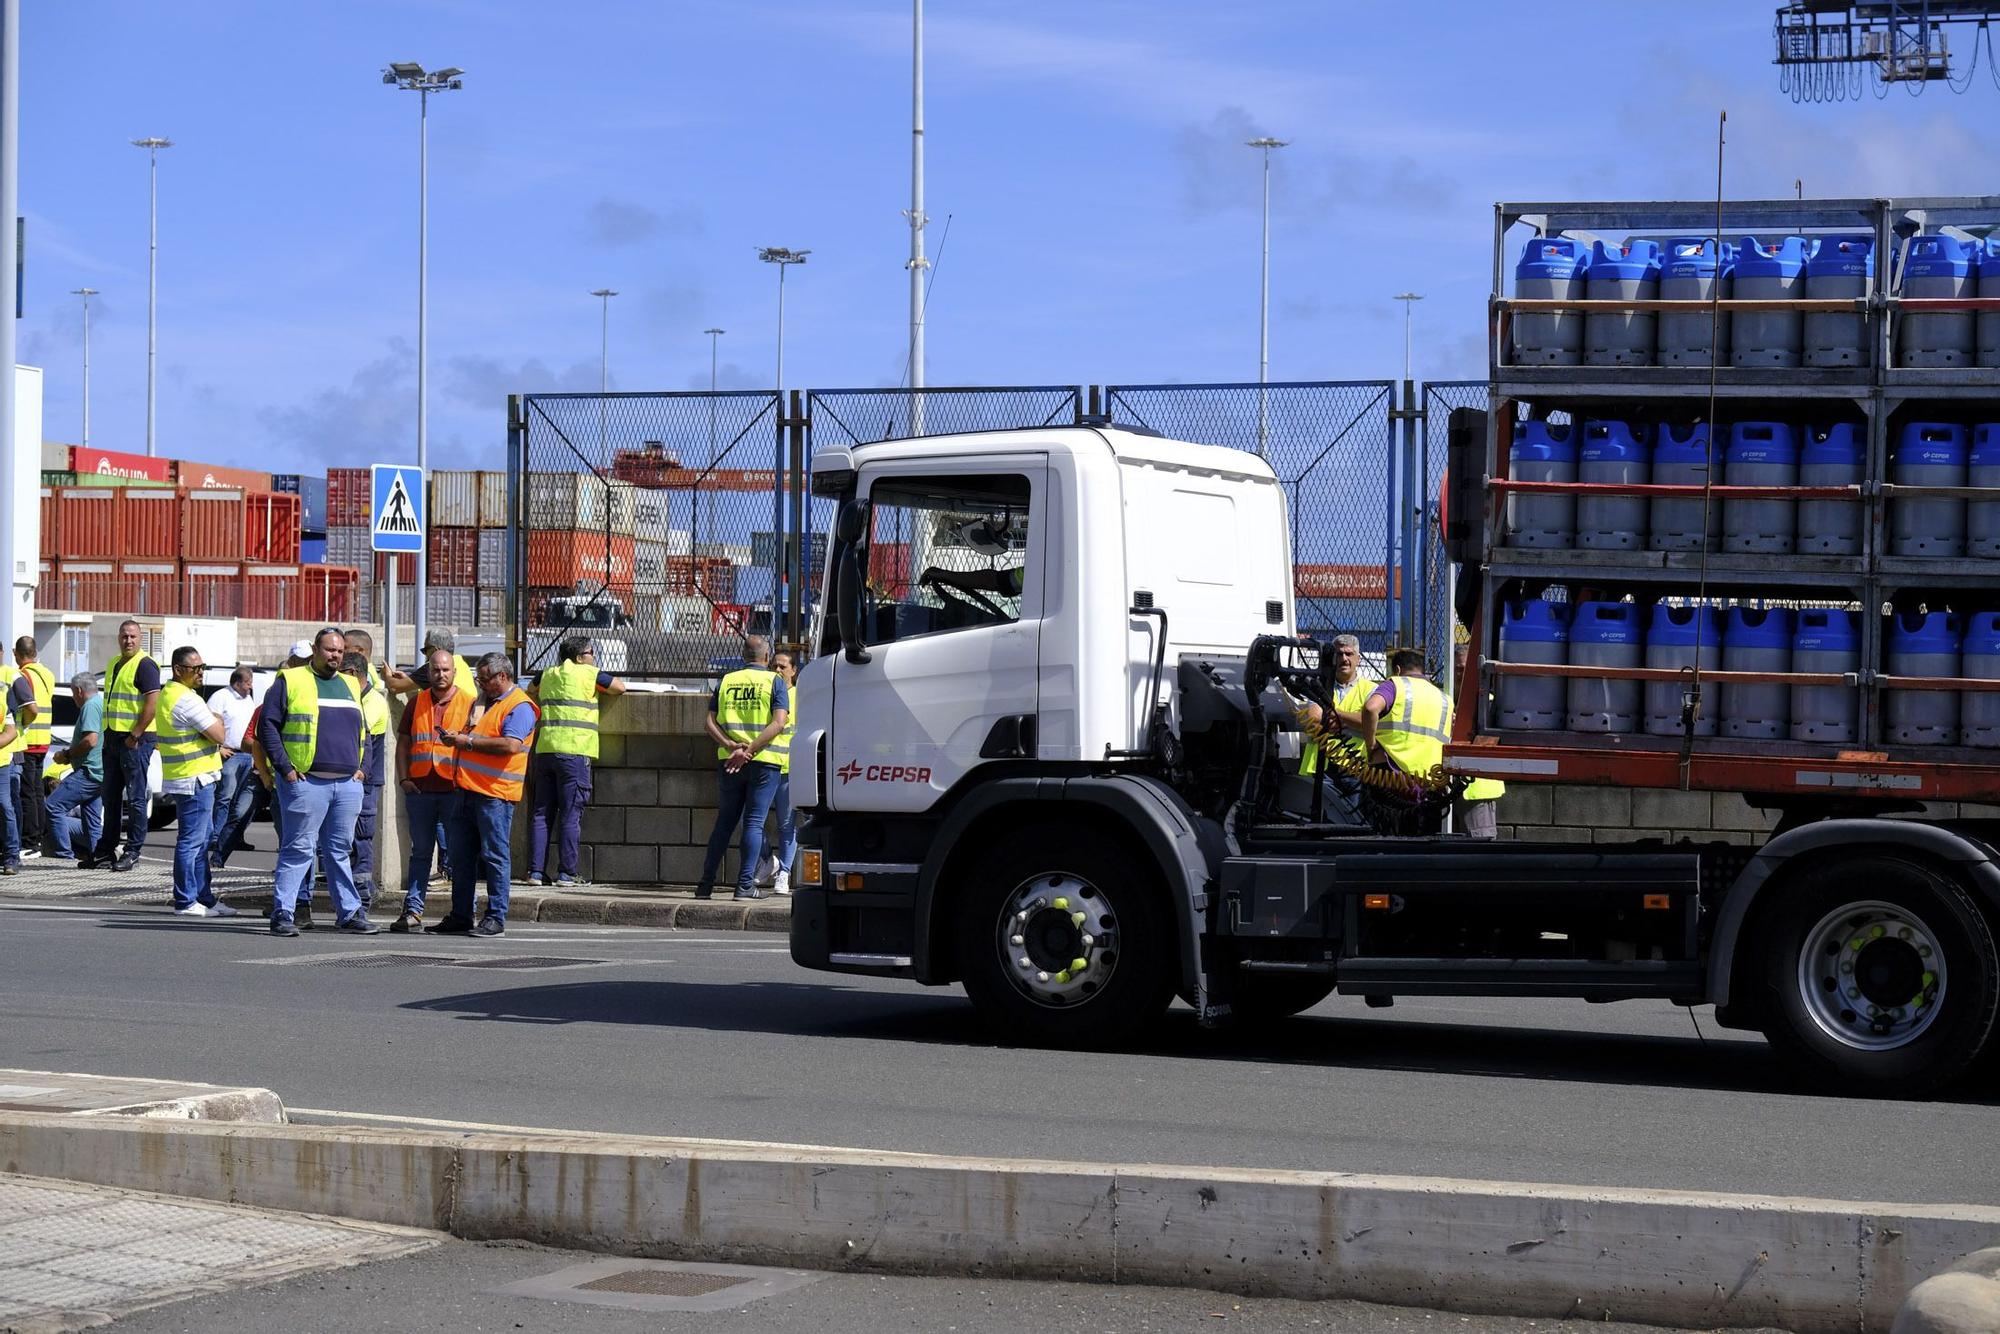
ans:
(996, 564)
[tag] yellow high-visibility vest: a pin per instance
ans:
(1415, 726)
(122, 700)
(1349, 700)
(37, 732)
(569, 710)
(299, 728)
(743, 711)
(183, 754)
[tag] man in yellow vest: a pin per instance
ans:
(131, 721)
(1475, 811)
(745, 718)
(775, 871)
(312, 733)
(14, 690)
(1333, 746)
(191, 756)
(1407, 720)
(40, 684)
(492, 762)
(564, 748)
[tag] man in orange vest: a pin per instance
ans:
(429, 774)
(491, 757)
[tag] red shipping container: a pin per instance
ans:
(271, 526)
(212, 524)
(87, 522)
(150, 587)
(406, 568)
(889, 567)
(1342, 581)
(562, 558)
(213, 589)
(713, 577)
(209, 476)
(148, 523)
(89, 585)
(109, 463)
(325, 593)
(47, 596)
(348, 497)
(50, 513)
(454, 557)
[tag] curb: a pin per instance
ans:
(660, 910)
(1495, 1248)
(66, 1094)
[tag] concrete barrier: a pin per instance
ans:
(1486, 1247)
(102, 1095)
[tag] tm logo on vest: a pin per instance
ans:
(883, 773)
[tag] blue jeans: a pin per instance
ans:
(788, 829)
(10, 818)
(745, 797)
(194, 812)
(428, 814)
(235, 804)
(562, 789)
(319, 824)
(482, 830)
(77, 792)
(124, 794)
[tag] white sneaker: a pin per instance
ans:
(767, 871)
(781, 883)
(221, 909)
(29, 854)
(192, 910)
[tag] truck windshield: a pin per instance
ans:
(945, 553)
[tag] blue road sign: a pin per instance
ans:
(398, 508)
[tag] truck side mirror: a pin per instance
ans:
(848, 594)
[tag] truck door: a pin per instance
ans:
(954, 568)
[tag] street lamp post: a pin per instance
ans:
(915, 213)
(152, 146)
(784, 258)
(412, 77)
(1264, 145)
(86, 293)
(714, 335)
(604, 295)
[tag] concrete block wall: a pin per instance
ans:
(1576, 813)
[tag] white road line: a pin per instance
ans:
(381, 1118)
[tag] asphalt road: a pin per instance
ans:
(454, 1288)
(720, 1035)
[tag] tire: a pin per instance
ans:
(1255, 997)
(159, 814)
(1841, 949)
(1131, 958)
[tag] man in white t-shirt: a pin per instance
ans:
(236, 794)
(191, 757)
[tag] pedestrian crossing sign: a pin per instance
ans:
(398, 509)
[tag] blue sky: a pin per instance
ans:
(1103, 213)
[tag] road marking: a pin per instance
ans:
(488, 1127)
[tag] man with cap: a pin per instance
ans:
(131, 722)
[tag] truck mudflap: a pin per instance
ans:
(1967, 853)
(1185, 848)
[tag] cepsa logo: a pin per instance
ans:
(883, 773)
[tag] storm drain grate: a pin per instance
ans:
(526, 961)
(392, 960)
(661, 1283)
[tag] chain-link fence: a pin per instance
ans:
(1439, 398)
(1331, 447)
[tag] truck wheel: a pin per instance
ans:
(1066, 945)
(1258, 996)
(1882, 979)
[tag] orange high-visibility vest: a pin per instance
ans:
(501, 776)
(429, 755)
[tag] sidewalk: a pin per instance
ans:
(249, 891)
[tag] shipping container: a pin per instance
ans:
(348, 545)
(493, 558)
(889, 566)
(103, 480)
(210, 476)
(373, 601)
(282, 593)
(86, 523)
(564, 559)
(55, 457)
(212, 524)
(450, 607)
(149, 523)
(728, 618)
(312, 550)
(566, 500)
(454, 500)
(48, 594)
(150, 587)
(311, 491)
(405, 564)
(50, 519)
(332, 594)
(652, 511)
(271, 527)
(214, 588)
(454, 554)
(679, 541)
(686, 614)
(58, 477)
(651, 614)
(348, 498)
(624, 501)
(89, 585)
(649, 563)
(490, 608)
(493, 511)
(1342, 581)
(709, 576)
(110, 463)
